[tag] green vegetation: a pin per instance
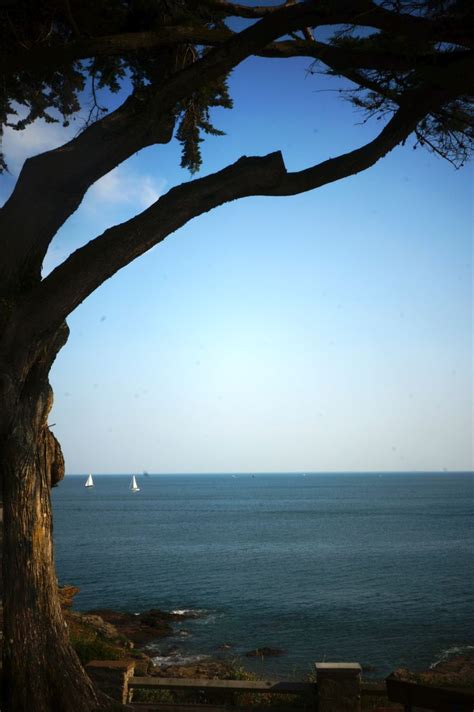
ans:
(267, 700)
(154, 696)
(89, 646)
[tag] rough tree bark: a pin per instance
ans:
(41, 671)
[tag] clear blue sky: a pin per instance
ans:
(325, 332)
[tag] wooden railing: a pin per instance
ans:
(176, 683)
(439, 699)
(307, 689)
(338, 689)
(338, 685)
(410, 694)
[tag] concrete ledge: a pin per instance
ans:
(112, 676)
(112, 664)
(338, 668)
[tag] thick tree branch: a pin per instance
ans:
(395, 132)
(70, 283)
(439, 89)
(71, 169)
(222, 59)
(68, 171)
(87, 268)
(54, 183)
(344, 57)
(447, 28)
(108, 46)
(121, 44)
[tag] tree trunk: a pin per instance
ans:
(41, 670)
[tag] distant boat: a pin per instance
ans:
(133, 485)
(89, 482)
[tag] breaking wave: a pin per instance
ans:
(191, 612)
(165, 661)
(453, 652)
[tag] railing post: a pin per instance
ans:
(112, 676)
(338, 687)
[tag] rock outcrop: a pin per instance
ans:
(457, 671)
(140, 628)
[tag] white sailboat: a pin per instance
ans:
(133, 485)
(89, 482)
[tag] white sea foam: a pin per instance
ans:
(195, 612)
(452, 652)
(176, 659)
(209, 618)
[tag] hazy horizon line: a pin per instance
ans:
(145, 473)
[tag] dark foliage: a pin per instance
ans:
(448, 132)
(57, 93)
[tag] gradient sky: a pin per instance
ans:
(325, 332)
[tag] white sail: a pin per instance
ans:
(90, 482)
(133, 485)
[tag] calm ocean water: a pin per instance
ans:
(357, 567)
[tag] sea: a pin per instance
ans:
(372, 568)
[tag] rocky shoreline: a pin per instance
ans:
(113, 635)
(104, 634)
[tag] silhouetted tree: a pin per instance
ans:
(409, 63)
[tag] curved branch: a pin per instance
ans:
(68, 171)
(365, 14)
(447, 28)
(53, 184)
(71, 169)
(70, 283)
(87, 268)
(120, 44)
(345, 58)
(108, 46)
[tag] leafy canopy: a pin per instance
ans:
(58, 92)
(385, 63)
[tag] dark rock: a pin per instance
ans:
(457, 671)
(184, 615)
(66, 594)
(265, 653)
(101, 628)
(141, 629)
